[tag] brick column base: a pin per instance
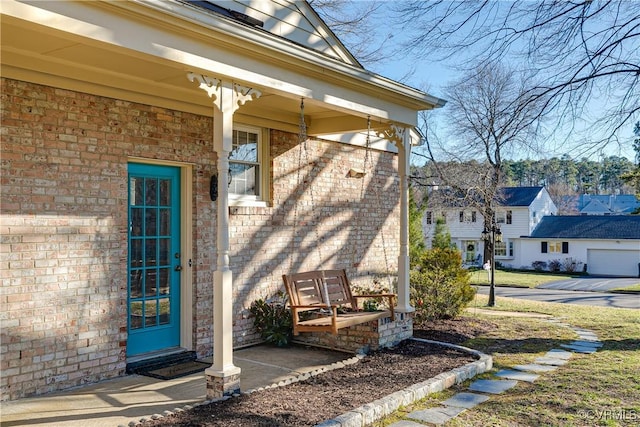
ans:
(219, 385)
(365, 337)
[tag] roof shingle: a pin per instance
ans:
(589, 227)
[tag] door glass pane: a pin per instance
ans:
(165, 310)
(150, 309)
(165, 222)
(151, 196)
(165, 192)
(135, 253)
(136, 222)
(150, 254)
(136, 187)
(135, 315)
(151, 286)
(165, 248)
(136, 283)
(151, 224)
(163, 280)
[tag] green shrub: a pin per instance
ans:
(555, 265)
(440, 287)
(273, 319)
(539, 265)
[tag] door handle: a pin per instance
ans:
(178, 268)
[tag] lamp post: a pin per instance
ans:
(491, 235)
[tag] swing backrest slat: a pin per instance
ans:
(307, 289)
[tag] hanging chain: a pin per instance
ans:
(359, 218)
(377, 192)
(302, 139)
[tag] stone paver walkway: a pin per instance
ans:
(481, 390)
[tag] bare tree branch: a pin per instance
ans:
(581, 51)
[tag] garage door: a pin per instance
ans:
(613, 262)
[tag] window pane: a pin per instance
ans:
(501, 249)
(245, 147)
(244, 179)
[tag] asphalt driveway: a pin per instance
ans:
(598, 299)
(591, 284)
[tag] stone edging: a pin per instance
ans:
(378, 409)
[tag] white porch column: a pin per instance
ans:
(223, 377)
(401, 137)
(404, 153)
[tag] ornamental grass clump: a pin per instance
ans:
(440, 287)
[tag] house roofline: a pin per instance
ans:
(288, 50)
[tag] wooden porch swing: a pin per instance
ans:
(322, 300)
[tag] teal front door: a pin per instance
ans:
(154, 262)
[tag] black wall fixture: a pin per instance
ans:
(213, 188)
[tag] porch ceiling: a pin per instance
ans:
(119, 62)
(34, 53)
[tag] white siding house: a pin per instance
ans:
(599, 245)
(520, 211)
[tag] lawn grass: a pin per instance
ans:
(600, 389)
(627, 289)
(528, 279)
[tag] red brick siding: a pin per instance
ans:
(64, 227)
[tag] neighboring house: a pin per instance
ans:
(609, 204)
(598, 245)
(600, 204)
(519, 212)
(165, 162)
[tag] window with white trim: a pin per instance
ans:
(504, 217)
(467, 216)
(504, 249)
(554, 247)
(247, 165)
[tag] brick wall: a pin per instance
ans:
(363, 338)
(64, 227)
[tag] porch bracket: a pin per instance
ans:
(223, 377)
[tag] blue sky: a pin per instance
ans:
(432, 76)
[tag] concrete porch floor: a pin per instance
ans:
(117, 402)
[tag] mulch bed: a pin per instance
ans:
(332, 393)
